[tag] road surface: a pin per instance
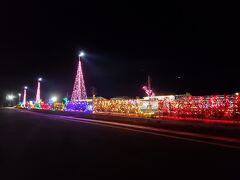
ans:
(40, 146)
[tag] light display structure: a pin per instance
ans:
(130, 106)
(79, 90)
(213, 107)
(58, 106)
(81, 106)
(150, 93)
(38, 98)
(79, 96)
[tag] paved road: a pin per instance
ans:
(34, 146)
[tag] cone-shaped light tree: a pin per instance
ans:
(79, 90)
(38, 98)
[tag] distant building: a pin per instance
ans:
(171, 97)
(121, 98)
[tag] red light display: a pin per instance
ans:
(213, 107)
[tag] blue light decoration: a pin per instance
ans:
(89, 108)
(80, 106)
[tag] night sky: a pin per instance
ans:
(123, 42)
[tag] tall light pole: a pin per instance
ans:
(10, 98)
(38, 98)
(149, 94)
(19, 97)
(25, 96)
(81, 54)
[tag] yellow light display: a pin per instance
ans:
(117, 106)
(58, 106)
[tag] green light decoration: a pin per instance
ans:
(65, 100)
(37, 106)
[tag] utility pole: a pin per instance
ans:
(19, 98)
(93, 98)
(149, 94)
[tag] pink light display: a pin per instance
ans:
(79, 90)
(148, 91)
(38, 99)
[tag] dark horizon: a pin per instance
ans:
(123, 42)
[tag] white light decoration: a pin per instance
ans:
(38, 98)
(10, 97)
(81, 54)
(54, 99)
(25, 96)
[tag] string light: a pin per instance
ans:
(148, 91)
(42, 105)
(38, 99)
(45, 106)
(79, 90)
(225, 107)
(117, 106)
(81, 106)
(202, 107)
(58, 106)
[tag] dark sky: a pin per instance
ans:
(124, 42)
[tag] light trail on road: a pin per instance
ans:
(180, 135)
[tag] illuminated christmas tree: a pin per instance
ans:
(38, 99)
(79, 90)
